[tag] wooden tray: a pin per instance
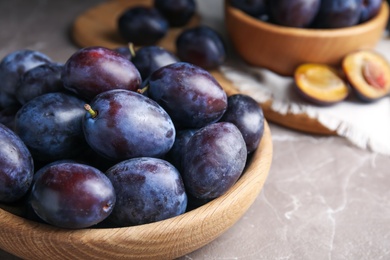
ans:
(97, 27)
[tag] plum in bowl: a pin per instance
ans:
(281, 48)
(166, 239)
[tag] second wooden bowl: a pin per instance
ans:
(281, 49)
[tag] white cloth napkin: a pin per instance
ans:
(366, 125)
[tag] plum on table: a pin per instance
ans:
(320, 84)
(368, 73)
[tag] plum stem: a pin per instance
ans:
(90, 110)
(131, 49)
(143, 90)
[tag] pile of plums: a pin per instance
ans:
(311, 13)
(108, 139)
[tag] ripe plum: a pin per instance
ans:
(298, 13)
(7, 116)
(92, 70)
(175, 154)
(177, 12)
(13, 65)
(16, 166)
(147, 190)
(45, 78)
(255, 8)
(213, 160)
(126, 125)
(50, 126)
(72, 195)
(142, 25)
(7, 100)
(370, 9)
(338, 13)
(150, 58)
(245, 113)
(191, 95)
(127, 51)
(201, 46)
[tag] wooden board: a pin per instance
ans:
(97, 27)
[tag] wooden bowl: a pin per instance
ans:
(281, 49)
(165, 239)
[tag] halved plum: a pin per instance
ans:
(320, 84)
(368, 73)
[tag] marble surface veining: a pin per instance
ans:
(324, 198)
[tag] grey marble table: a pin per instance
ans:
(324, 198)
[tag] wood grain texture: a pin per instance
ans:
(97, 26)
(166, 239)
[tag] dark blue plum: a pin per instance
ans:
(16, 166)
(127, 51)
(72, 195)
(254, 8)
(191, 95)
(93, 70)
(175, 155)
(245, 113)
(213, 160)
(338, 13)
(298, 13)
(126, 125)
(13, 65)
(7, 100)
(92, 158)
(51, 126)
(147, 190)
(201, 46)
(142, 25)
(7, 116)
(45, 78)
(177, 12)
(147, 59)
(370, 9)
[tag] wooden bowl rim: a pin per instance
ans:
(12, 226)
(358, 29)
